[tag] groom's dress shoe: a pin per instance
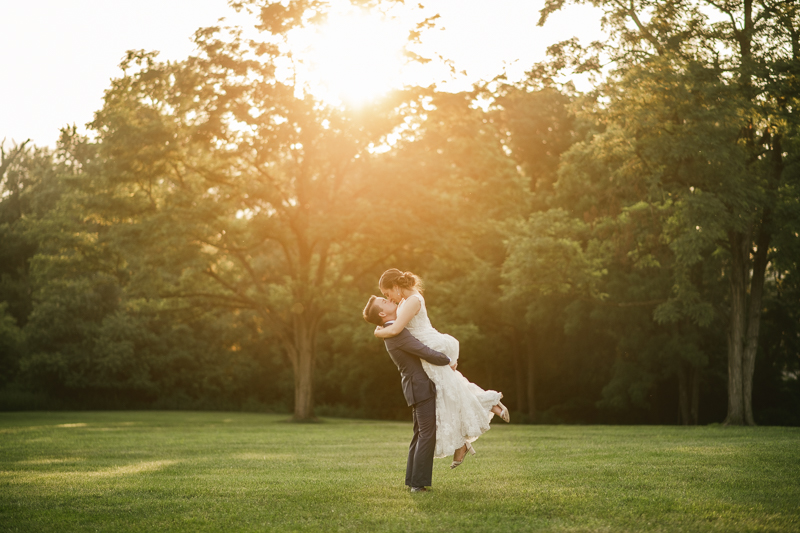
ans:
(419, 489)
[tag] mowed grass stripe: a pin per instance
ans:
(190, 471)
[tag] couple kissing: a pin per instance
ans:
(449, 412)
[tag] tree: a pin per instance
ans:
(22, 169)
(30, 188)
(736, 66)
(239, 189)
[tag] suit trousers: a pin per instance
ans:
(419, 468)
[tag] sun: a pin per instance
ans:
(355, 56)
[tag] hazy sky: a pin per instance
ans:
(58, 56)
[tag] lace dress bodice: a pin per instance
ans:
(420, 321)
(463, 410)
(420, 327)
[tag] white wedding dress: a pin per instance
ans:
(463, 410)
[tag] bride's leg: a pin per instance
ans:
(458, 456)
(497, 410)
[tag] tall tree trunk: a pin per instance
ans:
(531, 379)
(739, 259)
(694, 413)
(684, 386)
(303, 387)
(760, 260)
(753, 324)
(301, 353)
(688, 393)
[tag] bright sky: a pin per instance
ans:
(58, 56)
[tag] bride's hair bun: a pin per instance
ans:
(405, 280)
(408, 280)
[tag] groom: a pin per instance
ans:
(420, 392)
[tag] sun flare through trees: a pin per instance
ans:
(626, 254)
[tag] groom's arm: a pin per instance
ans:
(406, 341)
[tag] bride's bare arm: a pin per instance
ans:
(404, 315)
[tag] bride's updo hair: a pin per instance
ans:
(404, 280)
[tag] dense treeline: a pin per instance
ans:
(628, 255)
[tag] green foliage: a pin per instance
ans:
(553, 253)
(693, 128)
(213, 243)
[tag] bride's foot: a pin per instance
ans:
(458, 457)
(461, 454)
(501, 411)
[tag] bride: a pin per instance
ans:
(463, 410)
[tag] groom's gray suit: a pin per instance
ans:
(420, 392)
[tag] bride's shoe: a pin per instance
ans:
(470, 449)
(504, 412)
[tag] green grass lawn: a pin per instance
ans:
(190, 471)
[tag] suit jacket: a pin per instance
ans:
(406, 352)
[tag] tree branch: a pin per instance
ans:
(631, 12)
(7, 160)
(251, 272)
(736, 31)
